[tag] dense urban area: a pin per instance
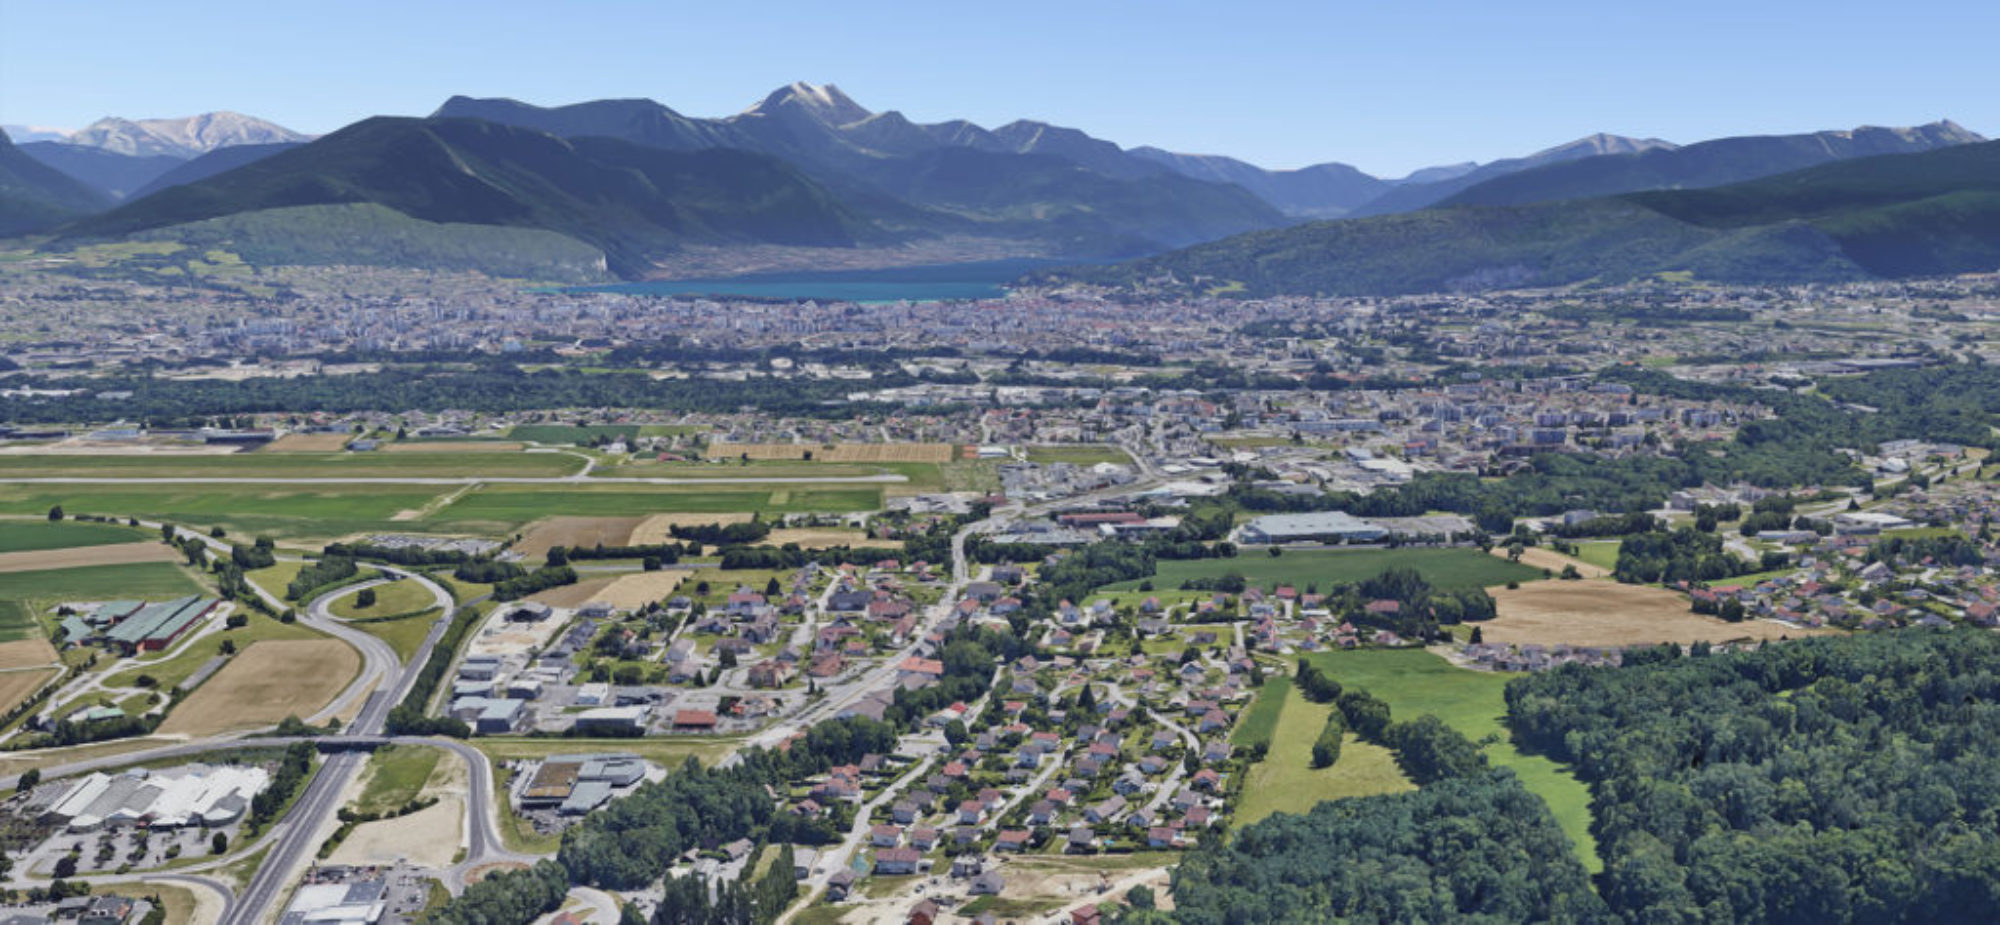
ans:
(372, 596)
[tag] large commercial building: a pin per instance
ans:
(197, 795)
(1319, 527)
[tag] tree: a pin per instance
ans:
(771, 588)
(365, 598)
(66, 866)
(56, 513)
(228, 647)
(1277, 551)
(29, 779)
(1477, 636)
(218, 843)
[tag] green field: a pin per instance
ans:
(1261, 720)
(572, 433)
(519, 504)
(1415, 682)
(396, 774)
(29, 535)
(1602, 555)
(153, 580)
(1443, 568)
(406, 596)
(405, 635)
(17, 622)
(300, 465)
(1078, 455)
(755, 469)
(1286, 782)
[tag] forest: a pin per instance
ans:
(1850, 779)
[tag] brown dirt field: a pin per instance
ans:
(1538, 557)
(27, 653)
(1604, 613)
(575, 531)
(308, 443)
(653, 530)
(16, 685)
(822, 537)
(37, 560)
(839, 452)
(454, 446)
(267, 682)
(630, 592)
(572, 596)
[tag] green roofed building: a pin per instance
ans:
(156, 626)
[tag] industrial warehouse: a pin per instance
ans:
(576, 784)
(1321, 527)
(197, 795)
(137, 626)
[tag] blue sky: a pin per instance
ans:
(1386, 86)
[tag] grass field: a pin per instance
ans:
(275, 578)
(397, 597)
(99, 583)
(406, 635)
(838, 452)
(1261, 720)
(1285, 781)
(395, 775)
(1079, 455)
(317, 511)
(1604, 555)
(1415, 682)
(28, 535)
(755, 469)
(520, 504)
(299, 465)
(1443, 568)
(178, 903)
(17, 622)
(264, 684)
(572, 433)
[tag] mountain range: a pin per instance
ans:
(1894, 215)
(808, 167)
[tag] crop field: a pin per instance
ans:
(1443, 568)
(454, 446)
(574, 532)
(1543, 558)
(27, 652)
(658, 528)
(282, 511)
(299, 465)
(34, 535)
(1414, 682)
(264, 684)
(823, 537)
(520, 504)
(1605, 613)
(1086, 455)
(17, 622)
(182, 661)
(397, 597)
(630, 592)
(120, 554)
(18, 683)
(572, 433)
(731, 470)
(839, 452)
(98, 583)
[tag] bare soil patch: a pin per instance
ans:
(654, 530)
(267, 682)
(308, 443)
(27, 653)
(1603, 613)
(838, 452)
(630, 592)
(427, 838)
(38, 560)
(575, 531)
(1539, 557)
